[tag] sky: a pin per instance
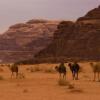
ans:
(19, 11)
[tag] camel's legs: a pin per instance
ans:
(73, 75)
(98, 76)
(77, 76)
(16, 74)
(64, 76)
(94, 76)
(60, 76)
(12, 74)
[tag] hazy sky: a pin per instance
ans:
(15, 11)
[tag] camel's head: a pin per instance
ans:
(91, 64)
(69, 64)
(56, 68)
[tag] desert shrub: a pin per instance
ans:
(1, 70)
(21, 76)
(37, 68)
(25, 91)
(86, 76)
(71, 86)
(18, 85)
(28, 69)
(34, 69)
(31, 69)
(63, 82)
(76, 91)
(1, 77)
(49, 70)
(2, 65)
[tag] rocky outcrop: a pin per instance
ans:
(92, 16)
(75, 41)
(23, 40)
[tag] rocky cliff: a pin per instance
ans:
(21, 41)
(75, 41)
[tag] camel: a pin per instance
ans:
(75, 70)
(14, 68)
(62, 70)
(96, 70)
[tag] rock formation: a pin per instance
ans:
(23, 40)
(75, 41)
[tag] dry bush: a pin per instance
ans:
(76, 91)
(49, 70)
(2, 65)
(25, 91)
(31, 69)
(34, 69)
(63, 82)
(1, 70)
(18, 85)
(1, 77)
(21, 75)
(86, 76)
(37, 68)
(28, 69)
(71, 86)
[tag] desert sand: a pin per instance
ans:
(41, 83)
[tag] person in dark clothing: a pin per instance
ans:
(74, 69)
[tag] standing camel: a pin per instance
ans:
(14, 68)
(74, 69)
(62, 70)
(96, 70)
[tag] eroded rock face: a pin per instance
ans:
(23, 40)
(79, 40)
(92, 16)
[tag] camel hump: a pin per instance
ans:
(62, 68)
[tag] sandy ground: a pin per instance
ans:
(43, 84)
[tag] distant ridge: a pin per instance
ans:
(21, 41)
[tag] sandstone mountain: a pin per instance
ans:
(75, 41)
(21, 41)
